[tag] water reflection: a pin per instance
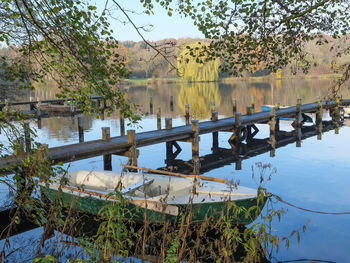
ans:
(64, 129)
(313, 176)
(199, 96)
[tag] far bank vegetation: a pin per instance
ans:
(144, 62)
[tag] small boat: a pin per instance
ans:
(157, 196)
(306, 117)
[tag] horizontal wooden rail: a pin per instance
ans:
(119, 145)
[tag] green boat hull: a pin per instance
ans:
(243, 211)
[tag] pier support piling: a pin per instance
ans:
(234, 106)
(214, 117)
(107, 158)
(169, 145)
(272, 124)
(38, 110)
(335, 113)
(253, 104)
(195, 146)
(298, 123)
(27, 140)
(133, 152)
(159, 119)
(277, 108)
(238, 165)
(80, 129)
(249, 110)
(122, 124)
(319, 119)
(239, 132)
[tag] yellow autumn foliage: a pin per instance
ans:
(194, 67)
(199, 96)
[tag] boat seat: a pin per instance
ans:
(136, 186)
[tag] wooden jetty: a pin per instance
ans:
(34, 103)
(242, 128)
(46, 108)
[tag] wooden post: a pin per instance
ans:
(102, 114)
(38, 111)
(104, 104)
(80, 129)
(171, 103)
(214, 117)
(319, 119)
(195, 146)
(277, 107)
(168, 123)
(238, 118)
(133, 153)
(253, 104)
(31, 105)
(234, 139)
(169, 145)
(249, 110)
(298, 120)
(151, 105)
(107, 158)
(98, 103)
(187, 113)
(39, 123)
(336, 115)
(122, 124)
(159, 119)
(272, 124)
(27, 140)
(234, 106)
(238, 164)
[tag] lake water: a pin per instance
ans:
(315, 176)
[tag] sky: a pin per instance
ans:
(163, 25)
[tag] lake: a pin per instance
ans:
(315, 176)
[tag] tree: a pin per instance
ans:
(245, 33)
(193, 65)
(68, 41)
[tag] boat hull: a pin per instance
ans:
(197, 212)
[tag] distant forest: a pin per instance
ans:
(144, 62)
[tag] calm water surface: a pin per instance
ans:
(315, 176)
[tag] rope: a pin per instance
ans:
(308, 210)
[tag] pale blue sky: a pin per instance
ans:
(163, 25)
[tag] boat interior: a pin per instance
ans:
(155, 187)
